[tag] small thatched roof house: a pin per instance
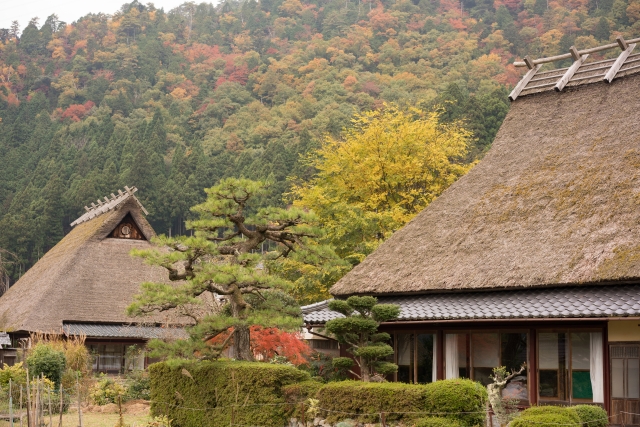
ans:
(83, 285)
(534, 255)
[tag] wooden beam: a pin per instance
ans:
(570, 72)
(611, 74)
(574, 53)
(523, 83)
(622, 43)
(529, 62)
(580, 52)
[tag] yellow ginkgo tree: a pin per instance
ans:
(380, 173)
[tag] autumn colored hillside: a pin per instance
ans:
(172, 101)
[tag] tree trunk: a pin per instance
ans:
(241, 335)
(241, 343)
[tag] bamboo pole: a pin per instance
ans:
(50, 413)
(21, 414)
(79, 406)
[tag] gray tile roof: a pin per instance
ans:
(122, 331)
(568, 302)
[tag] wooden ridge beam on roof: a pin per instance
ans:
(571, 71)
(523, 83)
(611, 74)
(569, 55)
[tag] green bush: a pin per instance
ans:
(138, 386)
(45, 360)
(106, 391)
(457, 399)
(436, 422)
(547, 416)
(367, 400)
(254, 390)
(591, 415)
(300, 392)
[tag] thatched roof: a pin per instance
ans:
(87, 277)
(554, 202)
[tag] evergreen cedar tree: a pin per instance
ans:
(359, 330)
(226, 257)
(186, 97)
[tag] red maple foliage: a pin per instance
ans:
(76, 112)
(269, 342)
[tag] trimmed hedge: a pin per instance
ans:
(591, 415)
(547, 416)
(198, 394)
(457, 399)
(460, 401)
(360, 401)
(437, 422)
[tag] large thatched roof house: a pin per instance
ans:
(534, 255)
(83, 285)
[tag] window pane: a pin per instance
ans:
(463, 369)
(617, 377)
(425, 358)
(405, 356)
(548, 383)
(548, 351)
(486, 348)
(633, 389)
(580, 366)
(581, 385)
(580, 351)
(513, 355)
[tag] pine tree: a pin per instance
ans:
(224, 257)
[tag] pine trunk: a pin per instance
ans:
(242, 344)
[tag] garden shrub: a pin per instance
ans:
(368, 400)
(458, 399)
(138, 386)
(591, 415)
(547, 416)
(255, 390)
(436, 422)
(106, 391)
(45, 360)
(300, 392)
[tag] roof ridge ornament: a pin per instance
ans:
(579, 57)
(108, 204)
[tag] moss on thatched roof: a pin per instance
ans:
(86, 277)
(555, 201)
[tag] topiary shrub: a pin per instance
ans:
(45, 360)
(367, 400)
(299, 392)
(436, 422)
(106, 391)
(225, 392)
(547, 416)
(591, 415)
(457, 399)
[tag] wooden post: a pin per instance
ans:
(79, 406)
(61, 406)
(37, 408)
(304, 422)
(10, 405)
(21, 414)
(382, 420)
(28, 401)
(50, 413)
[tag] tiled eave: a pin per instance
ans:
(607, 301)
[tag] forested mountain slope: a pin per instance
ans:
(173, 101)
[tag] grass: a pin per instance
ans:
(90, 420)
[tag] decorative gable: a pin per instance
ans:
(127, 229)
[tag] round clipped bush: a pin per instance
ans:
(457, 399)
(547, 416)
(591, 415)
(437, 422)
